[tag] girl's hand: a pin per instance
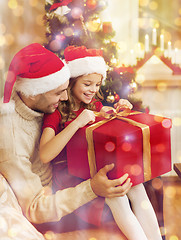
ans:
(123, 103)
(86, 116)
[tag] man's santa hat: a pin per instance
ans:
(83, 61)
(35, 70)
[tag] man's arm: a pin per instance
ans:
(37, 205)
(40, 207)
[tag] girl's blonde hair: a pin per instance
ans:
(66, 108)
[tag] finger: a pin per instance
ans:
(124, 187)
(125, 103)
(107, 168)
(92, 121)
(120, 191)
(115, 105)
(119, 181)
(117, 108)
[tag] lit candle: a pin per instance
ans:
(161, 42)
(131, 57)
(169, 49)
(139, 53)
(176, 56)
(154, 37)
(146, 43)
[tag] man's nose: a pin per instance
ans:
(64, 96)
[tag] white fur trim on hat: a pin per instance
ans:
(87, 65)
(35, 86)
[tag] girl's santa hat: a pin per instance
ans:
(35, 70)
(83, 61)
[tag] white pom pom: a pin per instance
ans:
(6, 108)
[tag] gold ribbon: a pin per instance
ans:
(146, 141)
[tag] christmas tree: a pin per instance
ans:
(77, 22)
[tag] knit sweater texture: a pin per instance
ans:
(28, 177)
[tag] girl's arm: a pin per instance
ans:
(51, 145)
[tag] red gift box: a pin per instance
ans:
(143, 155)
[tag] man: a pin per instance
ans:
(37, 81)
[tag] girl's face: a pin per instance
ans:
(86, 87)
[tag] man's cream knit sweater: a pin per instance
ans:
(28, 177)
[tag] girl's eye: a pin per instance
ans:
(87, 85)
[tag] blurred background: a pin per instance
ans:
(141, 41)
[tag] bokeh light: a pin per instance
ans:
(33, 3)
(12, 4)
(49, 235)
(91, 4)
(177, 44)
(157, 183)
(173, 237)
(170, 192)
(55, 45)
(3, 224)
(166, 123)
(2, 28)
(135, 170)
(110, 146)
(153, 5)
(140, 78)
(2, 63)
(76, 12)
(2, 40)
(176, 121)
(68, 32)
(160, 148)
(18, 11)
(154, 23)
(126, 147)
(143, 3)
(12, 232)
(178, 21)
(178, 155)
(179, 11)
(162, 86)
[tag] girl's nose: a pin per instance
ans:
(93, 89)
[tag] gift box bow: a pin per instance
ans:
(121, 116)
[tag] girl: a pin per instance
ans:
(88, 70)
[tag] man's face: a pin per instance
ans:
(48, 102)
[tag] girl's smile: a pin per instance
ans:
(86, 87)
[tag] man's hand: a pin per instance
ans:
(104, 187)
